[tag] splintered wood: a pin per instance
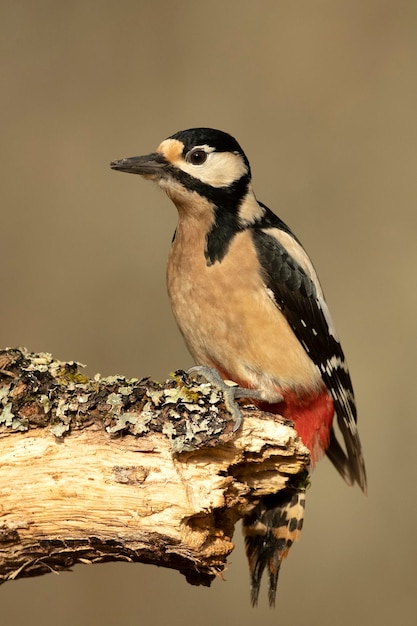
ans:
(95, 470)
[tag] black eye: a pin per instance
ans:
(197, 157)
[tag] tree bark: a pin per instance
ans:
(106, 469)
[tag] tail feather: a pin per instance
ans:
(351, 466)
(270, 530)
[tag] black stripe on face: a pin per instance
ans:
(226, 198)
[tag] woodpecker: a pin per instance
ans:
(249, 305)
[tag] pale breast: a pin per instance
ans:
(229, 319)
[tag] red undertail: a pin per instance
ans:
(312, 416)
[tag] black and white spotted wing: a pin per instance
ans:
(301, 302)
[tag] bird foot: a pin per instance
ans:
(230, 391)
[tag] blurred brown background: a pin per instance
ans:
(322, 95)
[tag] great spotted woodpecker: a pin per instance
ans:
(248, 302)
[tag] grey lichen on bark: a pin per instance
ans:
(107, 469)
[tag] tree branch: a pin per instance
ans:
(106, 469)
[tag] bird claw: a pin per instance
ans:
(230, 392)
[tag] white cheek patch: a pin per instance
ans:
(220, 170)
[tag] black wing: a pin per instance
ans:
(299, 298)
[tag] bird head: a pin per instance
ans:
(205, 161)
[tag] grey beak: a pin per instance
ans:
(153, 164)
